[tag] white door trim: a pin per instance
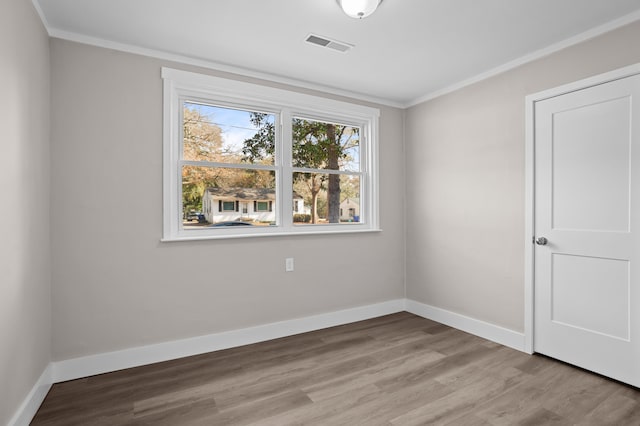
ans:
(529, 180)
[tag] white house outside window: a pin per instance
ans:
(274, 161)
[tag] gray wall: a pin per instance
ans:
(25, 296)
(465, 182)
(115, 285)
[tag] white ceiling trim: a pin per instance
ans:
(43, 18)
(187, 60)
(592, 33)
(246, 72)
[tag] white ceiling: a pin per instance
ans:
(406, 51)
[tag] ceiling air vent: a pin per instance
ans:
(328, 43)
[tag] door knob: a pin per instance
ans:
(541, 241)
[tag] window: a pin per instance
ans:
(280, 162)
(227, 206)
(263, 206)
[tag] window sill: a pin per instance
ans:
(267, 234)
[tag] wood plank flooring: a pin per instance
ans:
(394, 370)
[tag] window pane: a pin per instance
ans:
(321, 145)
(227, 135)
(321, 198)
(216, 195)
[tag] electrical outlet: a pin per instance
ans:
(288, 264)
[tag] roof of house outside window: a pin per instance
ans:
(247, 193)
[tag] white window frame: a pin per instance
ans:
(180, 86)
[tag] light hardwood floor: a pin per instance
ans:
(394, 370)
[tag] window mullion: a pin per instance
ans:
(286, 174)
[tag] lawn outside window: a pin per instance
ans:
(277, 161)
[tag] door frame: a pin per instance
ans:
(529, 181)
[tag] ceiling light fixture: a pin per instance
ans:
(359, 8)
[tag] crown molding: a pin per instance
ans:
(216, 66)
(274, 78)
(571, 41)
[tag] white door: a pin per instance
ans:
(587, 207)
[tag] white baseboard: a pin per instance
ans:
(112, 361)
(32, 402)
(127, 358)
(486, 330)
